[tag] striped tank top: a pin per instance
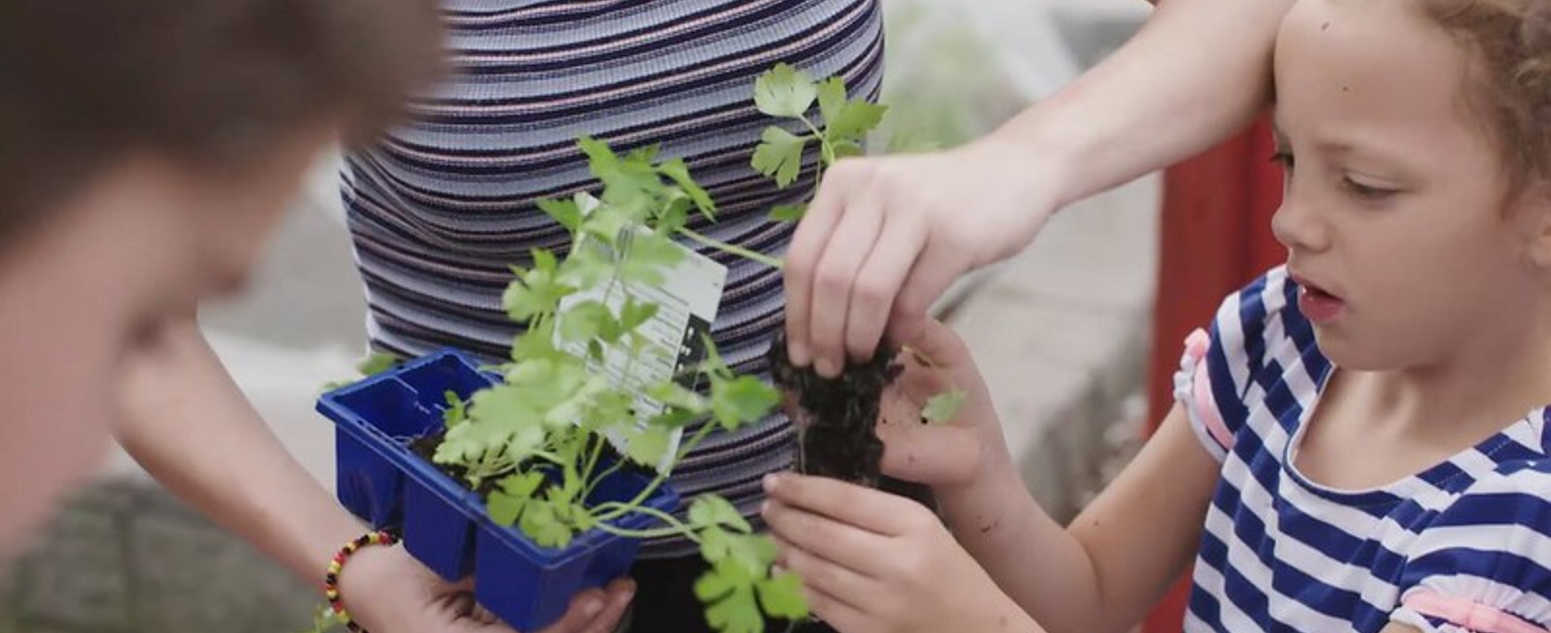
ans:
(440, 208)
(1464, 545)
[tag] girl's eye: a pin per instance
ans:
(1284, 158)
(1367, 192)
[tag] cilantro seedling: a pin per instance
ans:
(533, 443)
(788, 93)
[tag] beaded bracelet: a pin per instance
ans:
(331, 578)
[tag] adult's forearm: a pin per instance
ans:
(1196, 73)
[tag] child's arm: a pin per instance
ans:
(1116, 559)
(885, 236)
(189, 425)
(1099, 575)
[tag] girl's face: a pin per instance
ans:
(1395, 217)
(140, 245)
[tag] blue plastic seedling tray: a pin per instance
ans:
(445, 524)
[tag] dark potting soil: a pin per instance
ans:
(836, 419)
(425, 447)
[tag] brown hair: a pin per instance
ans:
(1511, 83)
(210, 83)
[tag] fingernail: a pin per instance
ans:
(827, 368)
(764, 507)
(592, 608)
(797, 354)
(770, 482)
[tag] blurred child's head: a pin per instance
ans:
(146, 149)
(1417, 135)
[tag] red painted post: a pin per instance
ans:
(1215, 237)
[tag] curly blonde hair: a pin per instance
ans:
(1510, 86)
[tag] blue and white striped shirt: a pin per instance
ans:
(1462, 546)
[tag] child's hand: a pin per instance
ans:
(958, 452)
(389, 591)
(885, 236)
(877, 563)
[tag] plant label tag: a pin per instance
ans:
(687, 303)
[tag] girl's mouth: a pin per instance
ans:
(1318, 304)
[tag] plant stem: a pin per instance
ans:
(826, 150)
(587, 490)
(705, 429)
(669, 519)
(658, 533)
(592, 461)
(548, 456)
(652, 487)
(733, 249)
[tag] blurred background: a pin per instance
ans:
(1061, 333)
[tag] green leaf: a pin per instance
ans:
(504, 508)
(644, 154)
(741, 400)
(535, 291)
(708, 510)
(649, 259)
(505, 405)
(779, 155)
(855, 119)
(605, 224)
(788, 212)
(715, 544)
(674, 217)
(587, 320)
(522, 485)
(457, 410)
(674, 418)
(377, 363)
(713, 364)
(781, 596)
(784, 91)
(731, 607)
(540, 523)
(538, 342)
(578, 405)
(609, 407)
(471, 440)
(565, 212)
(635, 313)
(754, 551)
(647, 447)
(832, 98)
(676, 396)
(677, 171)
(625, 182)
(543, 260)
(599, 156)
(844, 149)
(944, 406)
(588, 266)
